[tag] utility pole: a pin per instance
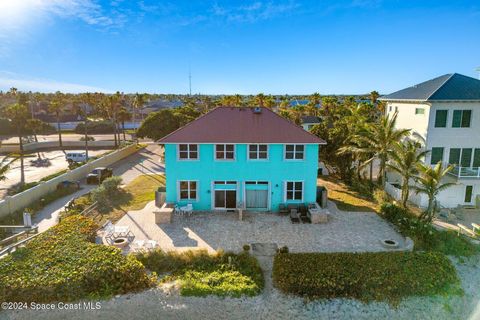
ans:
(190, 80)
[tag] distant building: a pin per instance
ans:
(444, 114)
(309, 121)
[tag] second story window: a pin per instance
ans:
(461, 118)
(188, 151)
(294, 151)
(257, 151)
(441, 118)
(436, 155)
(419, 111)
(224, 151)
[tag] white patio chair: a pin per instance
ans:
(121, 231)
(137, 245)
(151, 244)
(187, 209)
(109, 231)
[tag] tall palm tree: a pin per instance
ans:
(429, 183)
(56, 106)
(35, 125)
(138, 103)
(405, 159)
(123, 115)
(379, 140)
(18, 115)
(259, 100)
(374, 96)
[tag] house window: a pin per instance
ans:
(258, 151)
(419, 111)
(294, 151)
(224, 151)
(461, 118)
(441, 118)
(466, 159)
(468, 194)
(188, 151)
(294, 190)
(188, 190)
(476, 158)
(454, 157)
(437, 155)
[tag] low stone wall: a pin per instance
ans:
(34, 146)
(21, 200)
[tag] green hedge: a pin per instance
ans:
(383, 276)
(201, 274)
(63, 264)
(425, 236)
(95, 127)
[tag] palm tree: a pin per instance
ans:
(56, 106)
(18, 115)
(123, 115)
(36, 126)
(406, 158)
(429, 183)
(138, 102)
(374, 96)
(379, 140)
(259, 100)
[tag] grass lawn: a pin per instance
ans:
(379, 276)
(134, 196)
(346, 198)
(199, 273)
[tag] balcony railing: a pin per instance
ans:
(466, 172)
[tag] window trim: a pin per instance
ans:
(197, 193)
(436, 116)
(431, 155)
(188, 152)
(285, 189)
(462, 111)
(258, 151)
(225, 152)
(294, 151)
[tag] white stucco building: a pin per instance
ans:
(444, 114)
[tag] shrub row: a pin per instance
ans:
(425, 236)
(95, 127)
(383, 276)
(64, 264)
(201, 274)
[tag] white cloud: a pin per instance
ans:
(24, 83)
(255, 11)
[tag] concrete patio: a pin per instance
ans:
(345, 231)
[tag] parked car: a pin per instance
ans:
(76, 156)
(74, 185)
(99, 174)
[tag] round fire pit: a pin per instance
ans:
(389, 243)
(120, 242)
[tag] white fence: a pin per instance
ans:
(55, 144)
(396, 193)
(25, 198)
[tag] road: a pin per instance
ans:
(145, 161)
(35, 173)
(65, 137)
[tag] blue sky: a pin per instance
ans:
(271, 46)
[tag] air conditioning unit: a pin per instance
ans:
(257, 110)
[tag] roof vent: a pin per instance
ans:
(257, 110)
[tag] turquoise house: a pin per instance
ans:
(248, 158)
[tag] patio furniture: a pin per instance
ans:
(151, 244)
(187, 209)
(294, 216)
(283, 210)
(137, 245)
(475, 228)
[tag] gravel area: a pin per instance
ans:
(345, 231)
(160, 304)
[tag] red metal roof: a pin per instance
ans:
(241, 125)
